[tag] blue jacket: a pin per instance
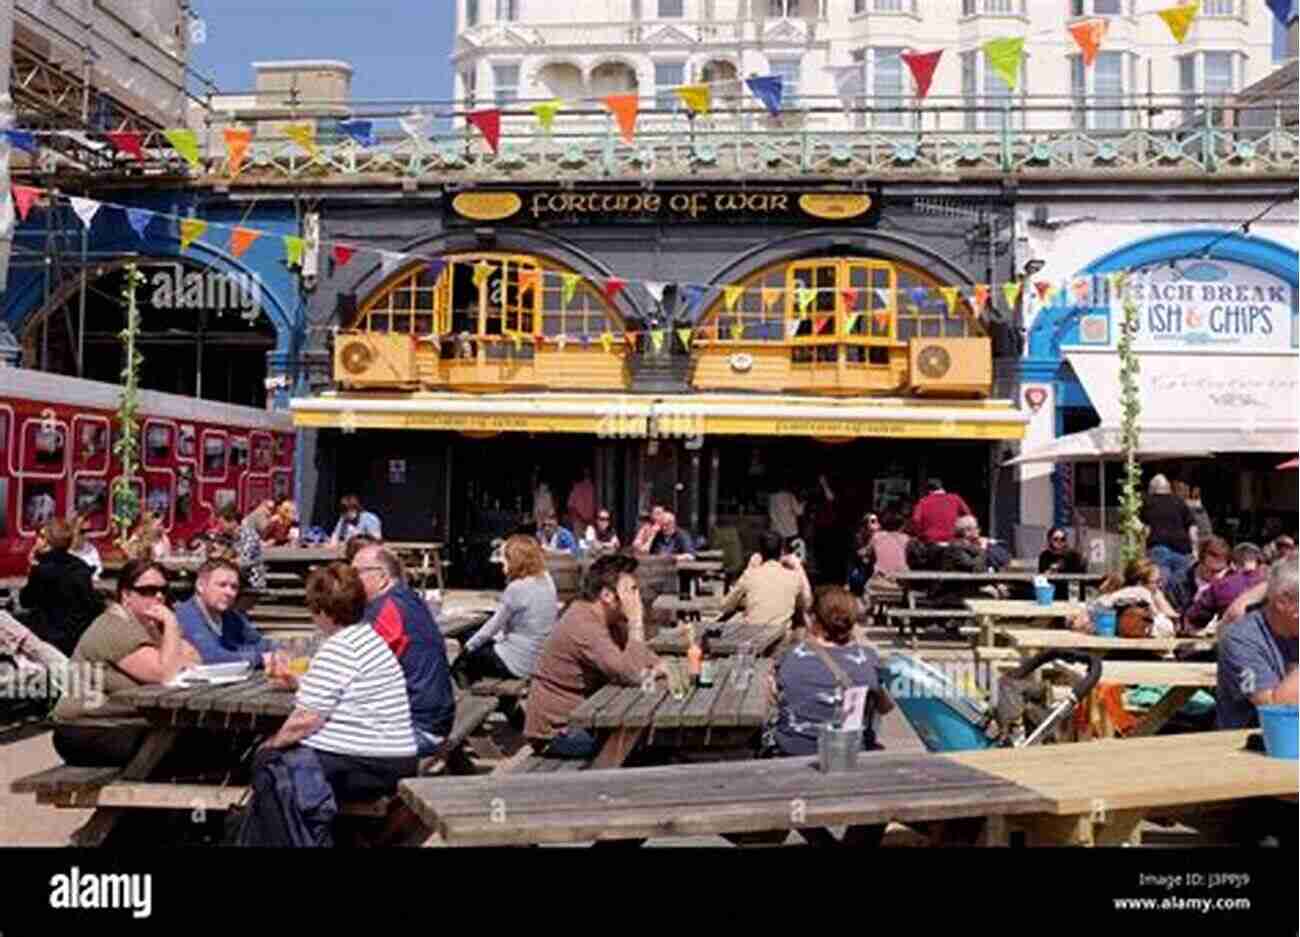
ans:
(563, 540)
(239, 640)
(402, 619)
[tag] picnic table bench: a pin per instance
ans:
(989, 612)
(761, 637)
(1055, 795)
(1029, 641)
(1180, 680)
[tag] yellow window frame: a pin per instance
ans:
(837, 333)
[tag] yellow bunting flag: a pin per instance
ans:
(482, 270)
(569, 286)
(241, 239)
(1179, 19)
(1004, 57)
(699, 98)
(1012, 292)
(519, 342)
(237, 141)
(657, 340)
(949, 294)
(303, 135)
(805, 296)
(191, 230)
(606, 341)
(293, 250)
(186, 143)
(545, 112)
(851, 322)
(737, 331)
(1116, 283)
(731, 295)
(624, 108)
(770, 295)
(1088, 35)
(684, 336)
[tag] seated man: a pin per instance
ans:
(59, 593)
(553, 537)
(32, 672)
(1215, 559)
(599, 640)
(967, 553)
(1257, 655)
(649, 529)
(402, 619)
(671, 540)
(209, 620)
(774, 589)
(1214, 599)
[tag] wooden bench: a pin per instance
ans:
(500, 688)
(905, 619)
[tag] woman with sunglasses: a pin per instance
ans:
(1057, 557)
(135, 642)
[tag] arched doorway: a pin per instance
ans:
(202, 332)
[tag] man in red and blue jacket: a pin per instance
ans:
(402, 619)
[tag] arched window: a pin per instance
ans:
(490, 294)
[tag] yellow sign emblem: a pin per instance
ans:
(835, 207)
(487, 206)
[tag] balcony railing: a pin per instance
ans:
(1028, 136)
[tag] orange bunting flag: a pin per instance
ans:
(1012, 293)
(488, 123)
(731, 295)
(237, 142)
(529, 280)
(684, 336)
(770, 295)
(607, 341)
(191, 230)
(241, 239)
(1179, 19)
(950, 294)
(624, 108)
(1088, 35)
(981, 296)
(613, 286)
(630, 338)
(880, 320)
(850, 296)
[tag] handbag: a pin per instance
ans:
(1134, 621)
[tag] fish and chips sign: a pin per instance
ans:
(1205, 306)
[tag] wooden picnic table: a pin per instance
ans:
(722, 717)
(762, 638)
(1180, 681)
(989, 612)
(1029, 641)
(1067, 794)
(916, 583)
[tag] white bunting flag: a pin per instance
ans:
(86, 209)
(390, 261)
(656, 290)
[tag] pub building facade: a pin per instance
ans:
(837, 356)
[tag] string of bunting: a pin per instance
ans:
(1004, 55)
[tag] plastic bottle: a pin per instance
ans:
(694, 656)
(708, 666)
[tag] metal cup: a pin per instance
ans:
(837, 749)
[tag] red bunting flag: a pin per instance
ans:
(489, 124)
(850, 296)
(613, 286)
(981, 296)
(922, 66)
(1043, 287)
(128, 142)
(342, 254)
(25, 197)
(821, 322)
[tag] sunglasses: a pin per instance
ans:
(1058, 540)
(606, 519)
(149, 592)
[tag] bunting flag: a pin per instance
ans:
(362, 131)
(418, 124)
(488, 123)
(737, 331)
(85, 209)
(482, 270)
(883, 296)
(186, 143)
(241, 239)
(138, 219)
(435, 268)
(519, 342)
(850, 297)
(880, 321)
(822, 322)
(568, 286)
(545, 113)
(624, 108)
(731, 296)
(128, 142)
(792, 327)
(303, 135)
(691, 295)
(22, 140)
(1012, 293)
(684, 336)
(1179, 19)
(922, 66)
(949, 294)
(238, 140)
(1044, 289)
(529, 280)
(851, 322)
(630, 338)
(1004, 57)
(1116, 283)
(770, 295)
(389, 261)
(981, 296)
(606, 341)
(768, 89)
(561, 341)
(805, 296)
(191, 230)
(698, 98)
(656, 290)
(342, 254)
(613, 286)
(1088, 36)
(848, 82)
(1081, 288)
(918, 295)
(1281, 9)
(292, 250)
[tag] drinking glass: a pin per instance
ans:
(677, 679)
(742, 665)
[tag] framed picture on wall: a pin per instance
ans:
(214, 455)
(47, 445)
(239, 453)
(263, 453)
(4, 503)
(186, 446)
(184, 496)
(92, 443)
(223, 497)
(157, 443)
(280, 486)
(39, 505)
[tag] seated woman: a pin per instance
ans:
(811, 681)
(1140, 587)
(135, 642)
(83, 549)
(509, 645)
(351, 712)
(283, 528)
(149, 540)
(1057, 557)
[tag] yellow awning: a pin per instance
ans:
(612, 417)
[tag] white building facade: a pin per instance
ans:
(509, 52)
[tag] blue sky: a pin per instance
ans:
(397, 48)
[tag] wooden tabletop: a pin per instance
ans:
(250, 704)
(699, 566)
(721, 706)
(676, 604)
(1022, 609)
(1004, 576)
(1151, 672)
(762, 637)
(1036, 639)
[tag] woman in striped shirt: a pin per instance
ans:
(351, 708)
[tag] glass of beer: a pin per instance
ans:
(678, 681)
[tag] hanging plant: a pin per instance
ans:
(125, 500)
(1132, 532)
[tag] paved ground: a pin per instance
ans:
(22, 822)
